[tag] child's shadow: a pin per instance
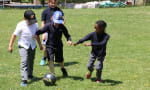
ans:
(36, 79)
(65, 64)
(72, 77)
(111, 82)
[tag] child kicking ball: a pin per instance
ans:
(99, 40)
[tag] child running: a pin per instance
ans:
(99, 39)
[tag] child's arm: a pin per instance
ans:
(103, 42)
(68, 37)
(88, 37)
(13, 37)
(39, 41)
(43, 30)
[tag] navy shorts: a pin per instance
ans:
(56, 53)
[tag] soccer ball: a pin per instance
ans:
(49, 79)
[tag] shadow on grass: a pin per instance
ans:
(36, 79)
(110, 82)
(65, 64)
(72, 77)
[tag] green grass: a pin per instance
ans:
(126, 67)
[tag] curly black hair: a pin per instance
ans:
(101, 23)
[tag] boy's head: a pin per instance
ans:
(57, 18)
(100, 26)
(29, 15)
(52, 3)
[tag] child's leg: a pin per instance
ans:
(64, 71)
(45, 35)
(43, 60)
(62, 64)
(91, 61)
(50, 56)
(31, 57)
(90, 65)
(60, 59)
(99, 68)
(24, 57)
(51, 66)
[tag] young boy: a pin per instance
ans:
(99, 40)
(54, 45)
(46, 18)
(26, 29)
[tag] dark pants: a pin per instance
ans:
(56, 53)
(99, 65)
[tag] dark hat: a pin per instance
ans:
(30, 16)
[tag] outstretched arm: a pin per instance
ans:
(88, 37)
(13, 37)
(43, 30)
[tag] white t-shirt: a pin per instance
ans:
(26, 33)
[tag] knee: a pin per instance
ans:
(99, 68)
(50, 61)
(90, 68)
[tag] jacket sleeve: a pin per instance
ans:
(65, 32)
(88, 37)
(103, 42)
(43, 30)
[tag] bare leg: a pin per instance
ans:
(44, 52)
(62, 64)
(64, 71)
(51, 66)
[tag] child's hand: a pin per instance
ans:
(75, 44)
(41, 47)
(10, 49)
(69, 43)
(87, 44)
(35, 36)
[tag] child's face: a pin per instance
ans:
(53, 3)
(27, 21)
(56, 25)
(98, 29)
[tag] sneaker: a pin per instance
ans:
(98, 81)
(88, 75)
(31, 77)
(42, 63)
(23, 83)
(65, 74)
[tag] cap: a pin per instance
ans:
(58, 17)
(30, 16)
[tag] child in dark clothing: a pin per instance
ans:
(54, 45)
(99, 40)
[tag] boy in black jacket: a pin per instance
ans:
(99, 40)
(54, 45)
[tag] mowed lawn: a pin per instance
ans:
(126, 66)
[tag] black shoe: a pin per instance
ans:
(30, 77)
(65, 74)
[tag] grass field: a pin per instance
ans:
(127, 64)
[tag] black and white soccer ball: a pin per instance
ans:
(49, 79)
